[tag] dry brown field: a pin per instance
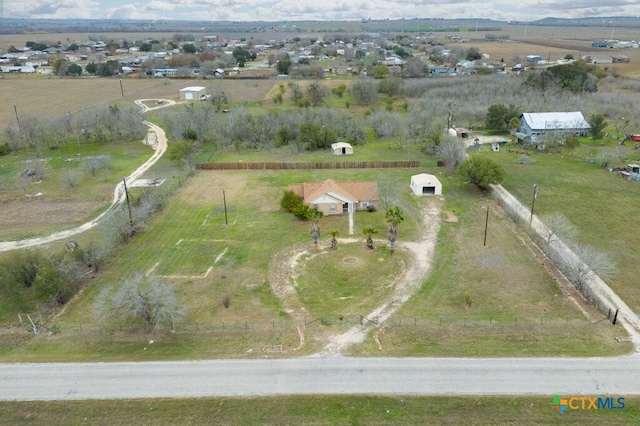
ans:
(553, 43)
(34, 94)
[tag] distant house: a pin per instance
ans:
(193, 93)
(534, 59)
(535, 124)
(45, 70)
(341, 148)
(598, 59)
(426, 184)
(333, 198)
(461, 132)
(436, 71)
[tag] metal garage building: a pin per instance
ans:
(425, 184)
(192, 93)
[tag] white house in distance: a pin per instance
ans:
(426, 184)
(535, 124)
(192, 93)
(341, 148)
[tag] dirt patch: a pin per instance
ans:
(34, 214)
(450, 216)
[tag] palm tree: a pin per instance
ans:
(315, 232)
(334, 242)
(369, 231)
(394, 216)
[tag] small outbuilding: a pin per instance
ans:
(193, 93)
(341, 148)
(426, 184)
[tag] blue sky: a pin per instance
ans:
(279, 10)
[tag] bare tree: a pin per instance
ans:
(557, 227)
(451, 151)
(317, 93)
(585, 263)
(147, 298)
(364, 91)
(96, 163)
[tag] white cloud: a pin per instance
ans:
(283, 10)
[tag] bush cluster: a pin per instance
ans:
(294, 204)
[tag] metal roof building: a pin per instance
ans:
(565, 123)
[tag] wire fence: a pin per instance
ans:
(321, 323)
(462, 321)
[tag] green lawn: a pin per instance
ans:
(341, 282)
(602, 205)
(317, 410)
(493, 300)
(71, 193)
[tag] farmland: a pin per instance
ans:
(222, 237)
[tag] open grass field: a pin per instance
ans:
(601, 204)
(318, 410)
(493, 300)
(70, 193)
(190, 245)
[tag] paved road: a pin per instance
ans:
(316, 375)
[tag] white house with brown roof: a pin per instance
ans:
(332, 197)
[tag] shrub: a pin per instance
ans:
(482, 171)
(5, 149)
(290, 201)
(226, 300)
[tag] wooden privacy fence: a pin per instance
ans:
(308, 166)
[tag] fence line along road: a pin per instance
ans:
(317, 375)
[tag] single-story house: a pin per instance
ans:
(333, 198)
(341, 148)
(426, 184)
(535, 124)
(193, 93)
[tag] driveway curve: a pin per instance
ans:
(119, 195)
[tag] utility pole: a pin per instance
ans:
(533, 202)
(121, 89)
(15, 109)
(224, 200)
(126, 193)
(486, 225)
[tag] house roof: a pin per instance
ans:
(425, 178)
(339, 145)
(555, 120)
(348, 191)
(192, 89)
